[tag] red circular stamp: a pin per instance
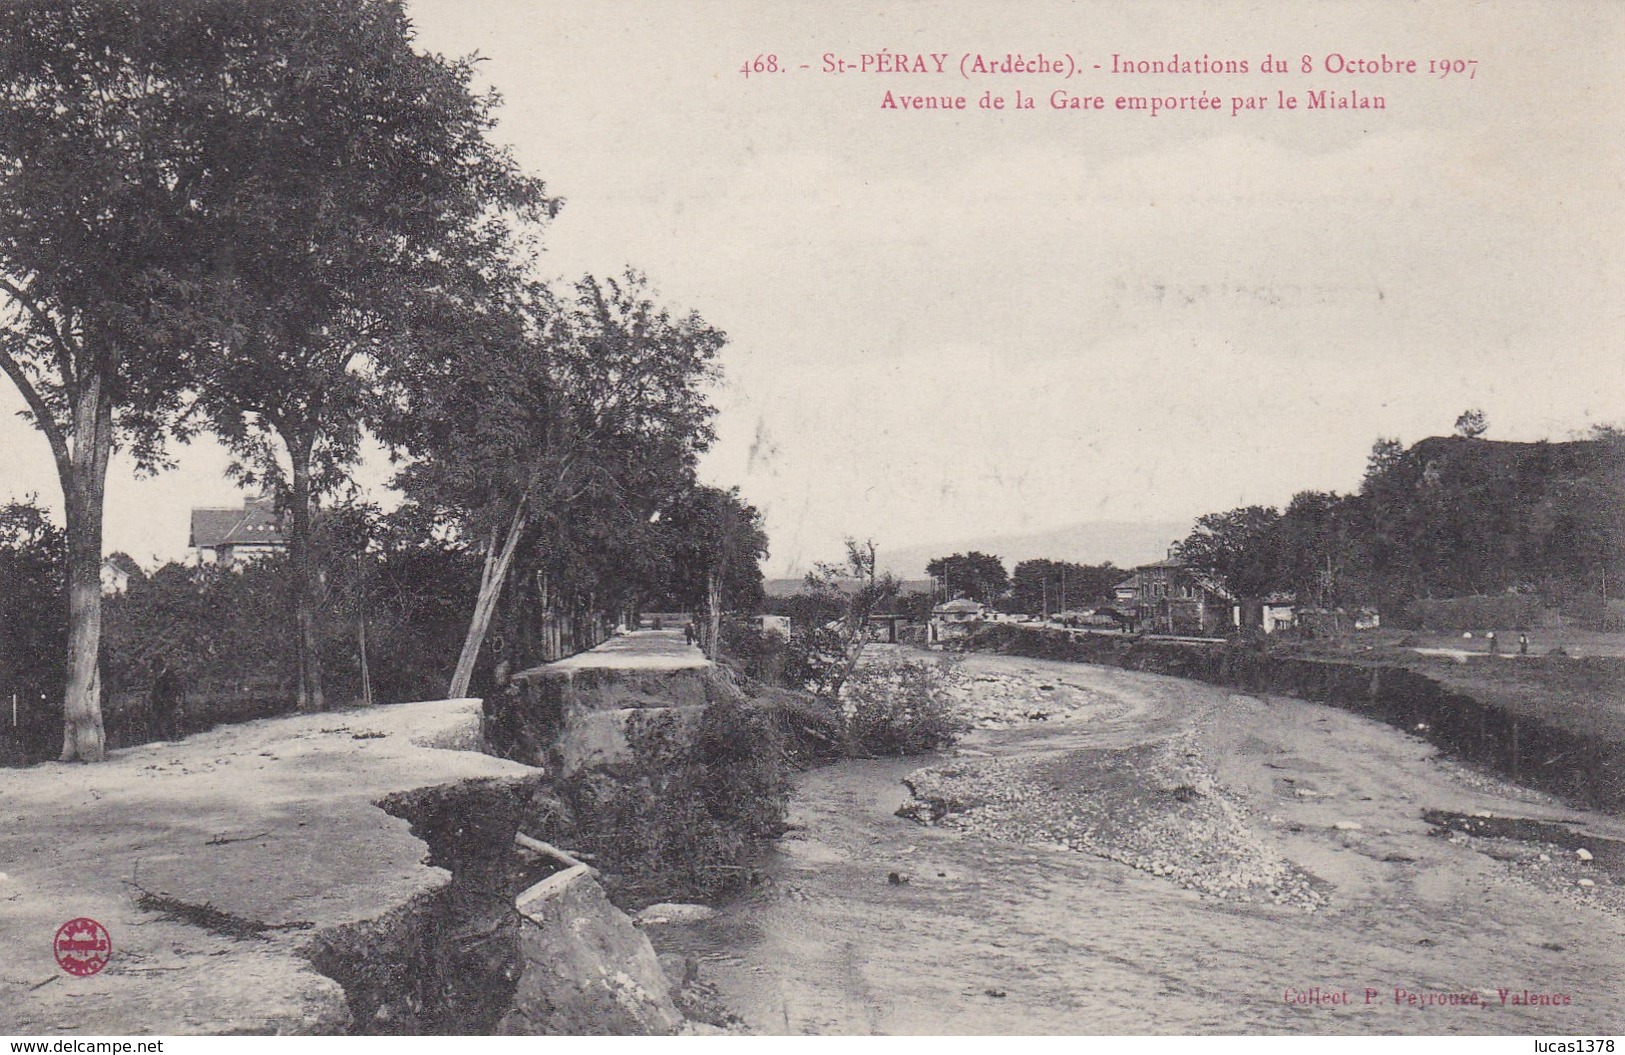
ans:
(82, 946)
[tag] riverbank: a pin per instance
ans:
(995, 927)
(1552, 723)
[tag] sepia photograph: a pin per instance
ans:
(618, 518)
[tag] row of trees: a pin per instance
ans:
(1039, 585)
(288, 226)
(1449, 516)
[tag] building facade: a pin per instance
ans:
(231, 537)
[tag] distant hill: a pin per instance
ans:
(1124, 543)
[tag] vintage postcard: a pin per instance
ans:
(812, 518)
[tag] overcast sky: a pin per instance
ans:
(954, 324)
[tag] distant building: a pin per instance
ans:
(955, 619)
(1176, 599)
(1331, 621)
(1268, 614)
(234, 536)
(1101, 616)
(960, 610)
(116, 573)
(1127, 591)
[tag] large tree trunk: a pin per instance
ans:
(713, 601)
(84, 484)
(307, 649)
(491, 580)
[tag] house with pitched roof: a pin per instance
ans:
(1176, 599)
(117, 571)
(234, 536)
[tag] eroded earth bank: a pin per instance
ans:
(1115, 852)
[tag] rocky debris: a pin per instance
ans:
(673, 912)
(1550, 867)
(992, 700)
(1152, 807)
(702, 1006)
(587, 969)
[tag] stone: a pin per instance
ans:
(1583, 854)
(674, 912)
(587, 969)
(1349, 826)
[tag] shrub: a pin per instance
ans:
(685, 817)
(901, 708)
(1497, 612)
(811, 727)
(807, 660)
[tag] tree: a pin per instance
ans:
(855, 589)
(979, 576)
(553, 419)
(102, 159)
(1472, 424)
(1042, 585)
(364, 204)
(1237, 548)
(716, 546)
(1316, 551)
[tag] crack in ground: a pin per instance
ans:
(214, 920)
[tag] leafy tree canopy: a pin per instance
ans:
(979, 576)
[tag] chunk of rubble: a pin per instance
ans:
(588, 970)
(674, 912)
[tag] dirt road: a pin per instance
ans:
(1122, 853)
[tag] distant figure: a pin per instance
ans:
(164, 703)
(688, 633)
(1523, 644)
(1495, 646)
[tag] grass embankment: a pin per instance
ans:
(1549, 722)
(1583, 691)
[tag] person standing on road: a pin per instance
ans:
(1495, 647)
(1523, 644)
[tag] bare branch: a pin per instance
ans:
(43, 318)
(42, 413)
